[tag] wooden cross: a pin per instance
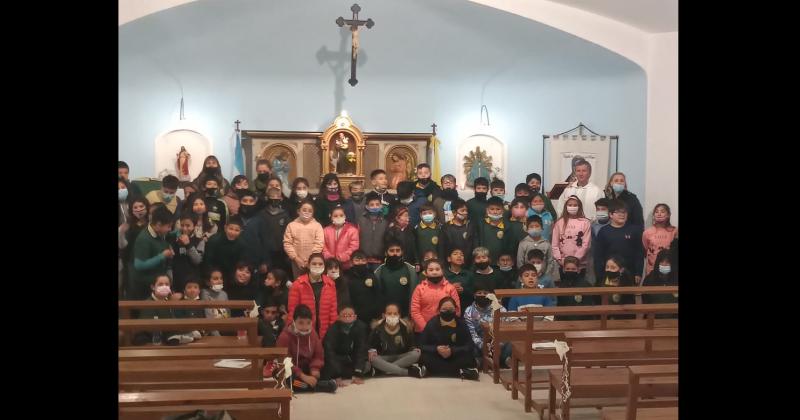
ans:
(354, 23)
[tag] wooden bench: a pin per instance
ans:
(646, 409)
(505, 331)
(605, 386)
(129, 327)
(149, 369)
(631, 349)
(259, 404)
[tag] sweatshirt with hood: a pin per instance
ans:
(305, 350)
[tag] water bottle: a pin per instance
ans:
(156, 336)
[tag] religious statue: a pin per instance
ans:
(343, 158)
(398, 169)
(477, 164)
(183, 164)
(354, 29)
(280, 168)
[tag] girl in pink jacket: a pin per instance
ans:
(659, 236)
(572, 233)
(341, 239)
(426, 296)
(303, 237)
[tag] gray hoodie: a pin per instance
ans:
(549, 265)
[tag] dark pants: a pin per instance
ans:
(450, 367)
(338, 367)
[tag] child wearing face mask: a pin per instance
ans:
(214, 291)
(601, 217)
(363, 289)
(534, 181)
(402, 231)
(299, 193)
(484, 272)
(305, 349)
(571, 277)
(615, 275)
(538, 208)
(428, 231)
(341, 238)
(492, 232)
(318, 292)
(443, 204)
(346, 349)
(535, 240)
(380, 185)
(217, 210)
(304, 236)
(243, 286)
(234, 194)
(481, 312)
(392, 347)
(426, 296)
(371, 231)
(356, 201)
(663, 275)
(276, 218)
(622, 239)
(333, 269)
(458, 232)
(191, 292)
(517, 217)
(396, 279)
(659, 236)
(330, 197)
(426, 187)
(536, 258)
(572, 233)
(161, 291)
(406, 198)
(498, 189)
(255, 236)
(270, 324)
(460, 277)
(447, 344)
(506, 273)
(224, 250)
(477, 205)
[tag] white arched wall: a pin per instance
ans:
(657, 54)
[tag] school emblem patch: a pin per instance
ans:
(499, 234)
(282, 222)
(616, 297)
(435, 240)
(398, 340)
(453, 337)
(578, 298)
(368, 282)
(464, 235)
(403, 281)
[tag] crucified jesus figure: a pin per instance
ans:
(354, 29)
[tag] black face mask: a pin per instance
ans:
(481, 196)
(357, 196)
(449, 194)
(482, 301)
(612, 274)
(447, 316)
(240, 192)
(263, 177)
(247, 209)
(434, 280)
(394, 261)
(360, 270)
(275, 202)
(211, 170)
(569, 277)
(482, 265)
(211, 192)
(423, 181)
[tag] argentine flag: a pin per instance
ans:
(238, 156)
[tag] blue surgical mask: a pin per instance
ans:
(122, 194)
(535, 233)
(376, 210)
(502, 196)
(495, 216)
(427, 218)
(602, 215)
(618, 188)
(167, 197)
(664, 269)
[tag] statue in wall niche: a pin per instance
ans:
(398, 169)
(477, 164)
(280, 168)
(182, 164)
(343, 156)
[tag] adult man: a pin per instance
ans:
(586, 191)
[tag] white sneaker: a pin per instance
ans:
(196, 335)
(186, 338)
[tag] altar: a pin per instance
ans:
(342, 149)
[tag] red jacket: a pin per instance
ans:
(306, 351)
(342, 248)
(301, 292)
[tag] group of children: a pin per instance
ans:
(383, 283)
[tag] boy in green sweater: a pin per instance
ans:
(477, 205)
(224, 251)
(396, 278)
(429, 231)
(460, 277)
(491, 231)
(151, 254)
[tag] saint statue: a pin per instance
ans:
(342, 155)
(280, 168)
(398, 169)
(477, 164)
(183, 164)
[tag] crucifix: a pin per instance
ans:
(354, 23)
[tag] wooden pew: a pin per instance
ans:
(603, 385)
(127, 307)
(522, 350)
(505, 331)
(150, 369)
(259, 404)
(130, 326)
(646, 409)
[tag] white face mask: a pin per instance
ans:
(538, 207)
(316, 270)
(302, 193)
(333, 274)
(392, 320)
(162, 291)
(407, 200)
(217, 287)
(538, 268)
(338, 221)
(572, 210)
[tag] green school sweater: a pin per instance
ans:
(429, 238)
(495, 238)
(465, 277)
(396, 285)
(148, 261)
(476, 209)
